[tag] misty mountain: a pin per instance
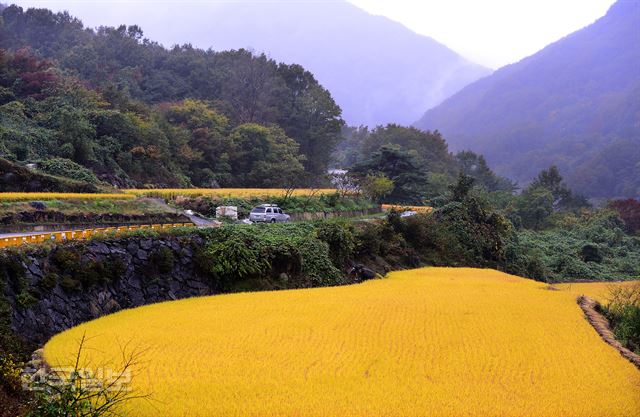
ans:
(377, 70)
(576, 103)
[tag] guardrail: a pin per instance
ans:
(83, 234)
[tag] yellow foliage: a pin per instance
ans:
(226, 192)
(396, 207)
(62, 196)
(425, 342)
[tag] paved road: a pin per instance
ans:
(20, 234)
(197, 220)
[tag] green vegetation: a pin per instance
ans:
(16, 178)
(137, 206)
(244, 257)
(291, 204)
(133, 113)
(63, 167)
(623, 312)
(418, 163)
(590, 246)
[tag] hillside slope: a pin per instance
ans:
(576, 104)
(377, 70)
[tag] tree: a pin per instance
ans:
(629, 211)
(476, 166)
(264, 157)
(533, 207)
(401, 167)
(310, 116)
(429, 148)
(563, 197)
(376, 186)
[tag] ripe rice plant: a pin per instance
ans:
(63, 196)
(424, 342)
(599, 291)
(227, 192)
(396, 207)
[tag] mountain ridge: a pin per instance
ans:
(565, 105)
(378, 70)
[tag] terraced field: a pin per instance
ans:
(425, 342)
(227, 192)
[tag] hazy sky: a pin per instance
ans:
(489, 32)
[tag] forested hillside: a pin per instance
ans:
(136, 113)
(417, 162)
(377, 70)
(574, 104)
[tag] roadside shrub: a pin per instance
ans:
(339, 236)
(367, 240)
(233, 259)
(316, 263)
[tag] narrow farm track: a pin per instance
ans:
(601, 324)
(425, 342)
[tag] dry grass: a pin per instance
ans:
(425, 342)
(62, 196)
(227, 192)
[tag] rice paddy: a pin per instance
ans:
(227, 192)
(599, 291)
(424, 342)
(397, 207)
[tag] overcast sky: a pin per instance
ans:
(489, 32)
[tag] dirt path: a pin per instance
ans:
(601, 324)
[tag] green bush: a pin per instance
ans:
(63, 167)
(591, 246)
(623, 311)
(339, 236)
(237, 253)
(25, 299)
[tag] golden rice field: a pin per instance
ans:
(397, 207)
(425, 342)
(63, 196)
(599, 291)
(226, 192)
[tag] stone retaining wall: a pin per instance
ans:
(55, 308)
